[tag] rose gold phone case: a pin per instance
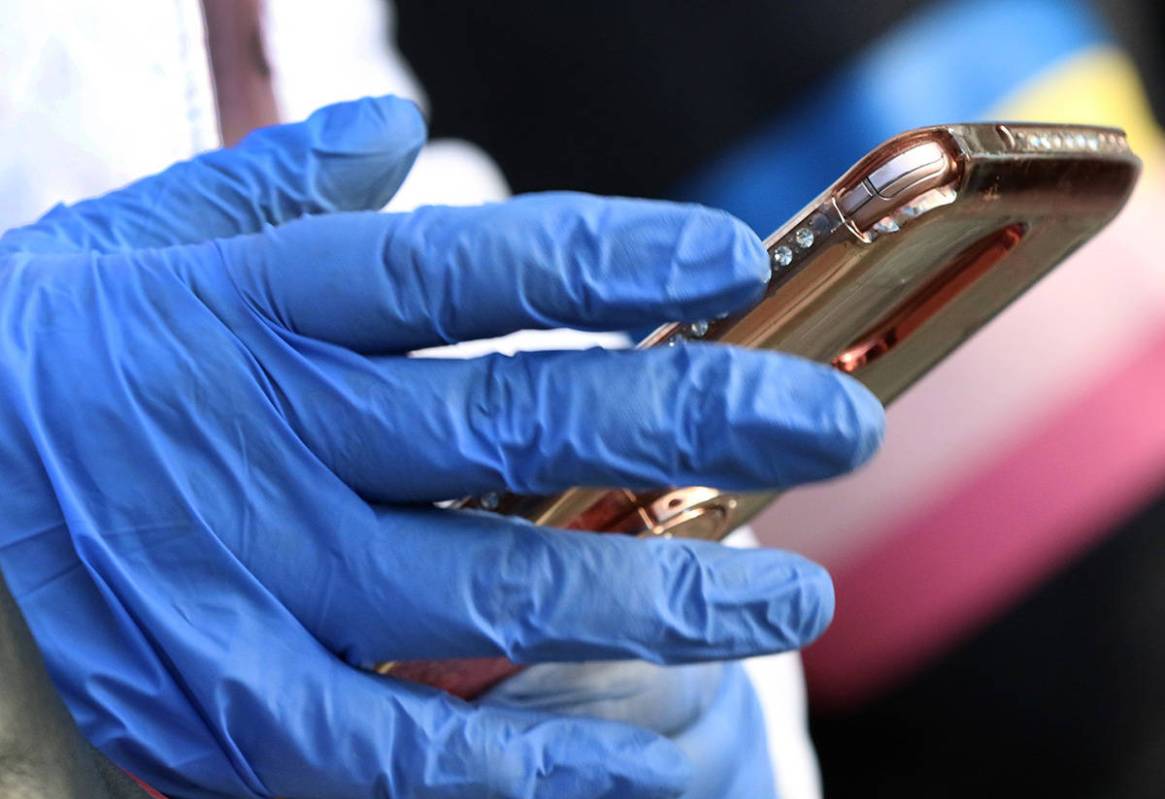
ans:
(915, 248)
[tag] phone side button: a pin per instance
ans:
(855, 198)
(906, 169)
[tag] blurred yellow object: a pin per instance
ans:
(1099, 86)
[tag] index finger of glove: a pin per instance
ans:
(399, 282)
(344, 157)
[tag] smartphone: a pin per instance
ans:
(902, 259)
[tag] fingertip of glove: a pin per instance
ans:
(839, 422)
(791, 594)
(788, 420)
(722, 252)
(390, 124)
(862, 418)
(819, 603)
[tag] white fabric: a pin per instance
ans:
(779, 681)
(95, 94)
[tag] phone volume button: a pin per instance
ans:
(849, 202)
(907, 169)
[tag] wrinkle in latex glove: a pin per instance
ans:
(709, 710)
(212, 446)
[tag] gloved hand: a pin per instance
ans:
(217, 466)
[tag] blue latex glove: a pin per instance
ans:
(217, 466)
(709, 710)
